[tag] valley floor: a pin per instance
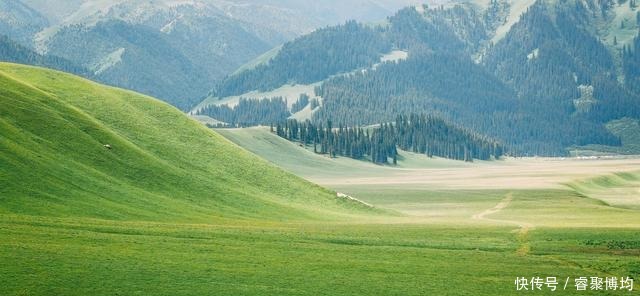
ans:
(562, 217)
(452, 229)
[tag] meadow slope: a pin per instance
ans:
(161, 165)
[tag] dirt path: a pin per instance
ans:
(522, 233)
(499, 207)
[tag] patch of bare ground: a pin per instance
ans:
(524, 227)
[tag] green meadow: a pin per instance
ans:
(174, 208)
(54, 256)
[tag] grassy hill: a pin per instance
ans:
(619, 189)
(161, 165)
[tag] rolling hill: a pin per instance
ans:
(74, 148)
(302, 161)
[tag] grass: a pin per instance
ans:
(620, 189)
(175, 209)
(557, 228)
(623, 14)
(162, 165)
(293, 157)
(82, 257)
(44, 256)
(262, 59)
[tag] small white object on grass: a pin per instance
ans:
(342, 195)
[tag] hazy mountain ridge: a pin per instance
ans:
(20, 22)
(172, 51)
(206, 39)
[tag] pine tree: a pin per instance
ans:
(419, 133)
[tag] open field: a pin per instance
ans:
(44, 256)
(175, 209)
(79, 257)
(577, 213)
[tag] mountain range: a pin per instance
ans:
(170, 49)
(541, 76)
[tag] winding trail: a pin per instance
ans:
(499, 207)
(522, 233)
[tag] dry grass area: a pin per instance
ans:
(530, 173)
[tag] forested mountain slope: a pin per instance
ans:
(551, 80)
(11, 51)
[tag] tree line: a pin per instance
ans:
(249, 112)
(424, 134)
